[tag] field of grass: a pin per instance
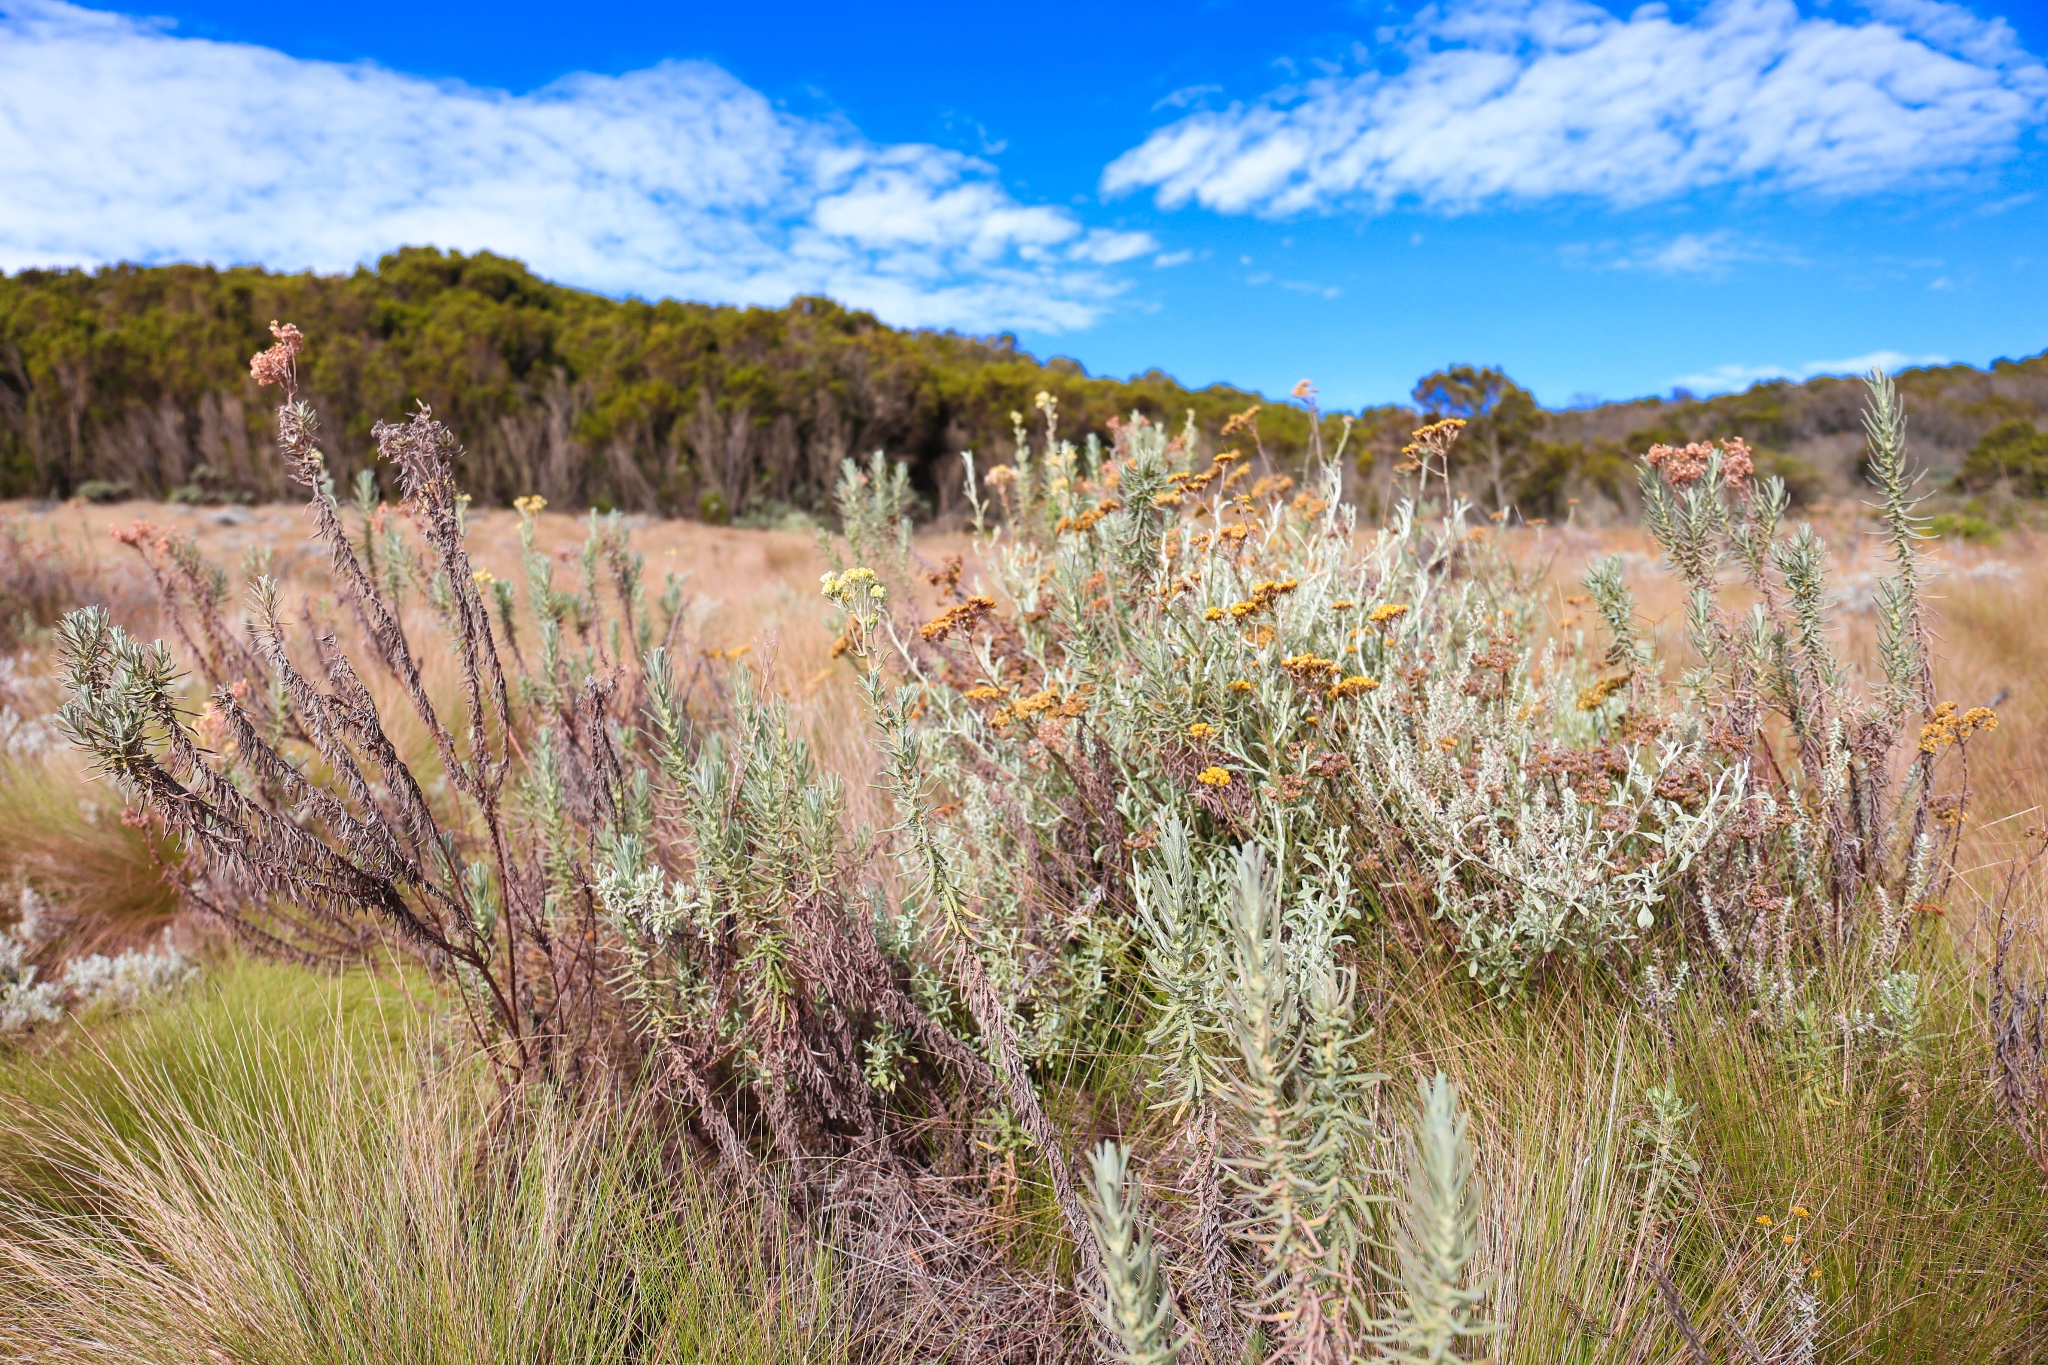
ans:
(306, 1163)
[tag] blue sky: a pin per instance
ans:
(1607, 201)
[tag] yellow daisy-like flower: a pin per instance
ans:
(1801, 1211)
(1763, 1220)
(1213, 614)
(1201, 729)
(1213, 777)
(1240, 685)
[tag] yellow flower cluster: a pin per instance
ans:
(1264, 595)
(1949, 728)
(1433, 439)
(1036, 702)
(1201, 729)
(530, 505)
(1307, 667)
(841, 587)
(1213, 777)
(962, 616)
(1596, 696)
(1355, 686)
(1387, 611)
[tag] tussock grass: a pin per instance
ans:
(64, 836)
(274, 1170)
(1927, 1228)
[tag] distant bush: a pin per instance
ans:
(100, 490)
(1968, 526)
(2013, 454)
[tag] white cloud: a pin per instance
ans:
(120, 141)
(1688, 253)
(1485, 101)
(1727, 378)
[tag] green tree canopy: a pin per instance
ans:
(1502, 419)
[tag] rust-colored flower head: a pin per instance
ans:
(1738, 466)
(1680, 465)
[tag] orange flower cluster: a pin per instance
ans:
(1307, 668)
(1264, 595)
(1949, 728)
(1042, 703)
(1087, 518)
(1434, 439)
(964, 616)
(1387, 611)
(1596, 696)
(1355, 686)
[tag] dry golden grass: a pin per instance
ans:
(753, 599)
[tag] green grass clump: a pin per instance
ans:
(272, 1168)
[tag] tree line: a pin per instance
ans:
(134, 380)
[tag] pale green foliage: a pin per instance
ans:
(1667, 1163)
(1440, 1317)
(24, 1001)
(1617, 606)
(1298, 1114)
(874, 510)
(1136, 1306)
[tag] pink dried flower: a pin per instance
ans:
(1681, 464)
(1737, 466)
(275, 366)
